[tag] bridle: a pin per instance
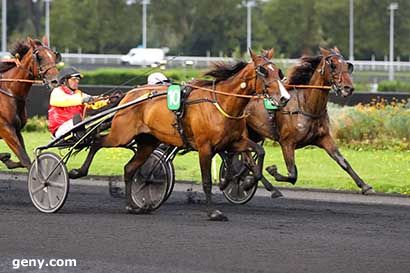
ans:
(260, 73)
(335, 78)
(36, 71)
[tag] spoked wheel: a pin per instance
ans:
(235, 192)
(152, 183)
(48, 183)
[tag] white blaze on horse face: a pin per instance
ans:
(271, 67)
(283, 92)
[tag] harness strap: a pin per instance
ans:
(225, 114)
(299, 111)
(11, 95)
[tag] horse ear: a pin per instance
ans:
(253, 56)
(324, 52)
(335, 49)
(268, 53)
(31, 42)
(44, 41)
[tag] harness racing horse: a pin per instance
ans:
(32, 60)
(214, 121)
(305, 121)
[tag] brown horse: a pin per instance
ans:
(305, 121)
(214, 121)
(32, 60)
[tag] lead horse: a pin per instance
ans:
(214, 121)
(305, 120)
(32, 60)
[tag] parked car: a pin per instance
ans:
(143, 56)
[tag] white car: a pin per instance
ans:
(144, 56)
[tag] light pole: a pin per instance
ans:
(47, 7)
(4, 26)
(351, 30)
(47, 4)
(249, 5)
(144, 4)
(392, 7)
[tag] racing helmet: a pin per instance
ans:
(157, 78)
(67, 73)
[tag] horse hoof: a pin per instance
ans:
(366, 189)
(74, 174)
(132, 210)
(223, 184)
(217, 215)
(5, 156)
(272, 170)
(248, 183)
(276, 194)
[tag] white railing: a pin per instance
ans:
(173, 61)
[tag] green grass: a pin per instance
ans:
(386, 170)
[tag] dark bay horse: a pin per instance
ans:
(32, 60)
(213, 122)
(305, 121)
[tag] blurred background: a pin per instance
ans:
(192, 33)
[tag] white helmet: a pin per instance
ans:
(157, 78)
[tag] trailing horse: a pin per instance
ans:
(32, 60)
(213, 121)
(305, 120)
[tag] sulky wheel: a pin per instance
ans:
(234, 191)
(48, 182)
(152, 183)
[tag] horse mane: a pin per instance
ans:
(221, 71)
(21, 48)
(302, 72)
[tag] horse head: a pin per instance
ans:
(45, 60)
(268, 78)
(337, 72)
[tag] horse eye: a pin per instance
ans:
(281, 76)
(58, 57)
(350, 68)
(262, 71)
(332, 66)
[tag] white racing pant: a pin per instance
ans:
(64, 128)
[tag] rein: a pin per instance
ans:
(292, 86)
(226, 93)
(21, 80)
(219, 107)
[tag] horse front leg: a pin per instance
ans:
(330, 147)
(288, 151)
(145, 148)
(205, 161)
(15, 141)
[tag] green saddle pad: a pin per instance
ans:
(174, 97)
(268, 105)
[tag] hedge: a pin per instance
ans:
(115, 76)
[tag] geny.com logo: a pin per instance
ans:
(40, 263)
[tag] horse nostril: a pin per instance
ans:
(348, 89)
(284, 100)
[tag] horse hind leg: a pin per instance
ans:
(15, 142)
(146, 145)
(330, 147)
(288, 152)
(205, 161)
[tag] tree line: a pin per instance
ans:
(198, 27)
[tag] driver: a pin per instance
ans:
(158, 78)
(67, 102)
